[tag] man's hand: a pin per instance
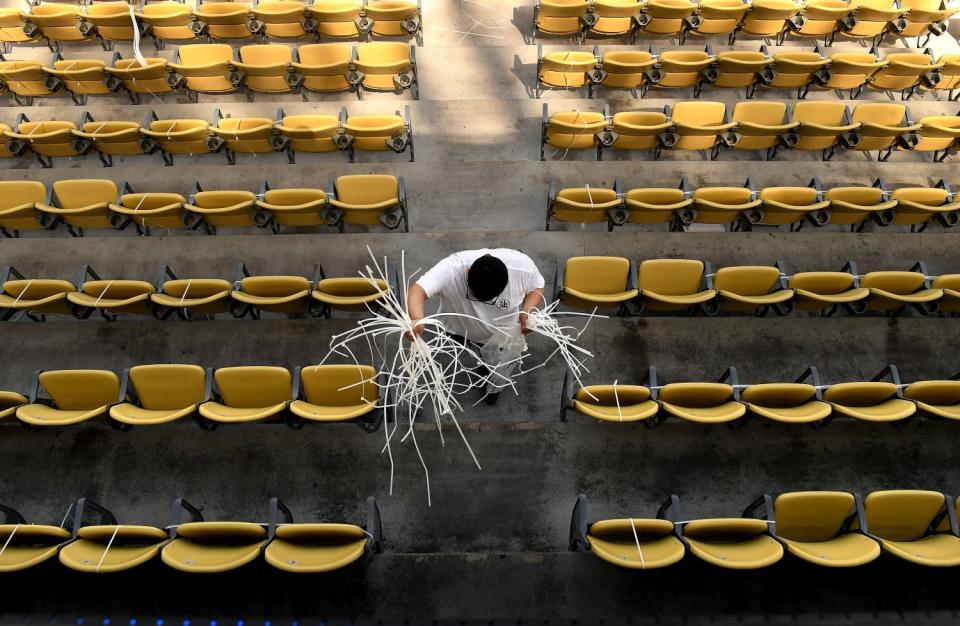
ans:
(523, 323)
(417, 330)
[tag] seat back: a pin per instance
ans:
(747, 280)
(266, 54)
(78, 193)
(222, 199)
(222, 533)
(811, 515)
(365, 189)
(779, 395)
(166, 387)
(597, 274)
(293, 197)
(335, 56)
(14, 193)
(696, 395)
(195, 288)
(339, 385)
(860, 394)
(823, 283)
(670, 277)
(902, 283)
(698, 114)
(36, 289)
(563, 8)
(254, 386)
(205, 53)
(274, 286)
(80, 390)
(901, 515)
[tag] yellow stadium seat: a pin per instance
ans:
(308, 133)
(724, 205)
(851, 71)
(151, 79)
(823, 126)
(18, 206)
(767, 18)
(346, 293)
(190, 297)
(274, 294)
(873, 401)
(80, 204)
(108, 138)
(566, 69)
(674, 285)
(110, 297)
(376, 133)
(108, 546)
(59, 23)
(246, 135)
(386, 66)
(611, 403)
(266, 68)
(111, 19)
(171, 20)
(814, 527)
(936, 398)
(27, 80)
(715, 17)
(336, 393)
(628, 69)
(743, 69)
(821, 19)
(907, 524)
(228, 209)
(907, 72)
(290, 207)
(950, 285)
(368, 199)
(632, 543)
(949, 83)
(939, 134)
(752, 288)
(704, 403)
(763, 126)
(853, 206)
(637, 130)
(336, 18)
(45, 139)
(790, 206)
(874, 19)
(37, 297)
(394, 18)
(247, 394)
(11, 30)
(665, 17)
(790, 403)
(225, 20)
(918, 206)
(885, 126)
(325, 67)
(207, 67)
(26, 544)
(82, 77)
(590, 282)
(161, 393)
(10, 401)
(583, 205)
(927, 18)
(283, 19)
(614, 18)
(148, 210)
(829, 291)
(686, 69)
(199, 547)
(564, 18)
(69, 397)
(178, 136)
(740, 543)
(657, 205)
(797, 70)
(893, 292)
(310, 548)
(698, 126)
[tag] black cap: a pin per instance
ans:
(487, 277)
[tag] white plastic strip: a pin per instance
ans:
(107, 549)
(9, 537)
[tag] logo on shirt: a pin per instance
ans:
(502, 303)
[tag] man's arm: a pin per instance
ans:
(416, 301)
(530, 301)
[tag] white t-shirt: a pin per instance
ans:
(448, 280)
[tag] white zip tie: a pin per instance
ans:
(102, 293)
(22, 291)
(616, 398)
(136, 38)
(107, 549)
(64, 520)
(184, 296)
(636, 540)
(9, 537)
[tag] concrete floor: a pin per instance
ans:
(491, 549)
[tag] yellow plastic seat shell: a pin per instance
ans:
(10, 401)
(225, 20)
(313, 548)
(77, 395)
(281, 18)
(625, 68)
(768, 18)
(892, 290)
(789, 205)
(810, 524)
(112, 20)
(681, 68)
(566, 69)
(638, 130)
(324, 66)
(116, 296)
(388, 16)
(821, 124)
(265, 67)
(623, 403)
(615, 17)
(294, 207)
(81, 76)
(922, 14)
(380, 61)
(129, 546)
(280, 294)
(310, 133)
(205, 66)
(372, 132)
(350, 294)
(760, 124)
(179, 136)
(18, 204)
(166, 392)
(52, 138)
(83, 202)
(116, 138)
(247, 135)
(901, 518)
(949, 284)
(672, 284)
(57, 21)
(791, 403)
(11, 31)
(560, 17)
(597, 281)
(213, 547)
(733, 543)
(202, 295)
(655, 205)
(869, 401)
(747, 287)
(698, 124)
(720, 17)
(151, 210)
(666, 16)
(852, 205)
(916, 205)
(613, 541)
(820, 290)
(336, 18)
(169, 20)
(30, 545)
(142, 79)
(581, 205)
(722, 205)
(249, 394)
(231, 209)
(574, 130)
(365, 197)
(938, 132)
(336, 393)
(940, 398)
(793, 69)
(44, 295)
(705, 403)
(26, 78)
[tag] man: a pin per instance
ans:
(486, 284)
